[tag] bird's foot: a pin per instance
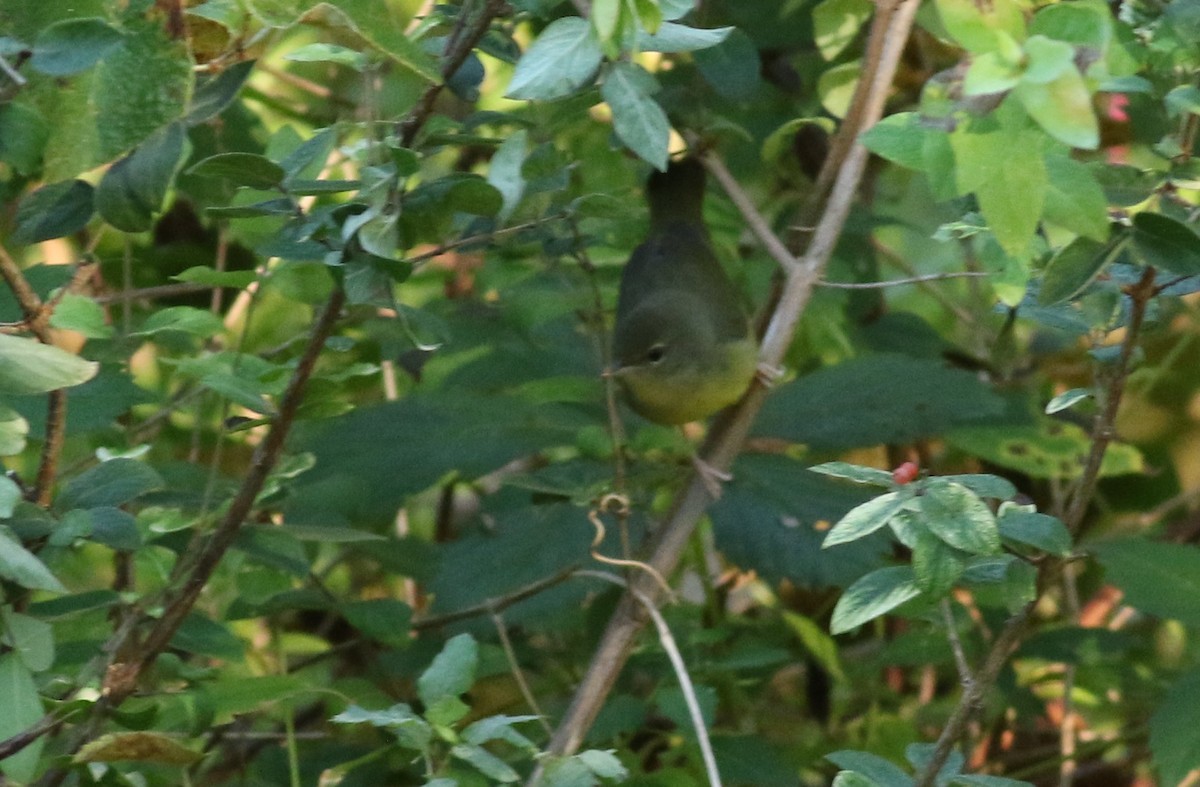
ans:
(711, 477)
(768, 375)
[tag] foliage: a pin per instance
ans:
(311, 463)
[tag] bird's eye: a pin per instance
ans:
(656, 353)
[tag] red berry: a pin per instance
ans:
(906, 473)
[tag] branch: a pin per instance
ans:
(122, 676)
(1102, 434)
(466, 36)
(973, 694)
(1103, 427)
(730, 431)
(37, 318)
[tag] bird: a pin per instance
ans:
(682, 344)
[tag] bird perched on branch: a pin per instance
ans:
(682, 347)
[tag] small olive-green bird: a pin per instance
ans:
(682, 345)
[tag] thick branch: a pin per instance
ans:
(729, 433)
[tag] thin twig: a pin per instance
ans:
(1103, 427)
(498, 604)
(11, 72)
(667, 640)
(973, 694)
(750, 213)
(878, 285)
(960, 657)
(518, 674)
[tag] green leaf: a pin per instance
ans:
(867, 518)
(977, 27)
(328, 53)
(673, 37)
(214, 278)
(606, 16)
(880, 771)
(73, 45)
(375, 22)
(241, 169)
(937, 565)
(1040, 531)
(1074, 198)
(10, 495)
(1047, 449)
(836, 23)
(1157, 578)
(1071, 269)
(31, 638)
(1174, 735)
(53, 211)
(486, 763)
(499, 728)
(991, 72)
(22, 708)
(733, 67)
(604, 764)
(984, 485)
(1011, 189)
(115, 529)
(875, 594)
(1184, 99)
(81, 314)
(19, 565)
(384, 619)
(140, 87)
(216, 93)
(876, 399)
(13, 431)
(836, 87)
(1167, 244)
(452, 671)
(855, 473)
(132, 192)
(110, 483)
(820, 646)
(1081, 24)
(29, 367)
(899, 138)
(185, 319)
(204, 636)
(23, 135)
(1067, 399)
(1046, 60)
(1063, 108)
(957, 516)
(563, 59)
(637, 118)
(504, 172)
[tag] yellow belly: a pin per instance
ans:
(695, 391)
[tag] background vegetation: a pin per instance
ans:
(313, 476)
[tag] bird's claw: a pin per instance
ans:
(767, 375)
(711, 477)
